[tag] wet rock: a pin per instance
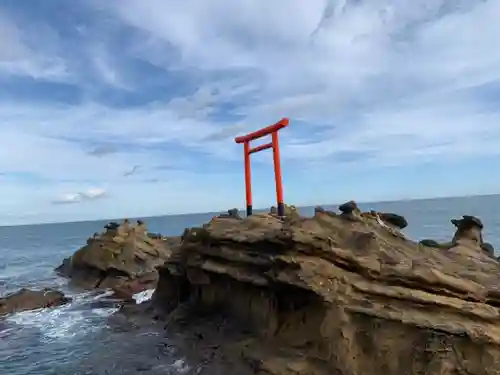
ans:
(26, 299)
(124, 257)
(325, 295)
(435, 244)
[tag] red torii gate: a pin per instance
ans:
(274, 144)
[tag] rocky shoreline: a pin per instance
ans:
(337, 293)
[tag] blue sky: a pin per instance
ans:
(129, 108)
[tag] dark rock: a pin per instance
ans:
(234, 213)
(488, 249)
(26, 299)
(348, 207)
(319, 209)
(435, 244)
(112, 225)
(395, 220)
(155, 236)
(467, 221)
(429, 243)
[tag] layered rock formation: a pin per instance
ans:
(468, 230)
(342, 294)
(123, 257)
(26, 299)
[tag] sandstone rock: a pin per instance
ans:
(231, 214)
(26, 299)
(123, 257)
(467, 235)
(326, 295)
(290, 211)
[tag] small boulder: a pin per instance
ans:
(112, 225)
(350, 211)
(393, 219)
(435, 244)
(348, 207)
(468, 221)
(25, 299)
(233, 213)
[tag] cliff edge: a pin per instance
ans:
(344, 294)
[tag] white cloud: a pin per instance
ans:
(80, 197)
(20, 54)
(372, 83)
(400, 67)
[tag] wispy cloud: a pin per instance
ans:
(80, 197)
(384, 89)
(20, 54)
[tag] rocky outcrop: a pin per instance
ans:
(124, 257)
(468, 232)
(233, 213)
(289, 210)
(342, 294)
(26, 299)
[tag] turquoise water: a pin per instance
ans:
(77, 339)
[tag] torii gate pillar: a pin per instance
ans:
(247, 151)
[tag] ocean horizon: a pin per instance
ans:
(304, 210)
(78, 338)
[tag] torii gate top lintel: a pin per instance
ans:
(263, 132)
(246, 139)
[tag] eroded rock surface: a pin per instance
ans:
(343, 294)
(468, 232)
(123, 257)
(290, 211)
(26, 299)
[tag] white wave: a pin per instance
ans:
(68, 321)
(143, 296)
(180, 366)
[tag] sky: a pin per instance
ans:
(127, 108)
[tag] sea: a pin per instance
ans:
(82, 338)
